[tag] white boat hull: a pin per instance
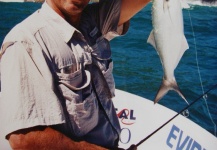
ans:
(139, 117)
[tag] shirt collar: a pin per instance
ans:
(63, 28)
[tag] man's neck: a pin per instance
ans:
(73, 20)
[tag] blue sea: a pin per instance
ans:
(137, 67)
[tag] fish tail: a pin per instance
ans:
(165, 87)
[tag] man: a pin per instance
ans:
(56, 74)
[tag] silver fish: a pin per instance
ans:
(167, 37)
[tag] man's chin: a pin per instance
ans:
(76, 9)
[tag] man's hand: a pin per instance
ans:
(132, 147)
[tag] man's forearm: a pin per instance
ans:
(46, 138)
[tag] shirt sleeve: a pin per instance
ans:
(107, 17)
(26, 98)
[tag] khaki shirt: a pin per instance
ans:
(45, 78)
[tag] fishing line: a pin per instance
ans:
(213, 87)
(205, 97)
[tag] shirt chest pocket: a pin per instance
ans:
(81, 102)
(75, 86)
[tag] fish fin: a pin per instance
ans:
(163, 90)
(184, 4)
(176, 88)
(165, 87)
(184, 43)
(151, 39)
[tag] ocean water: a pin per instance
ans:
(137, 67)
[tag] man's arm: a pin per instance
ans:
(46, 138)
(129, 8)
